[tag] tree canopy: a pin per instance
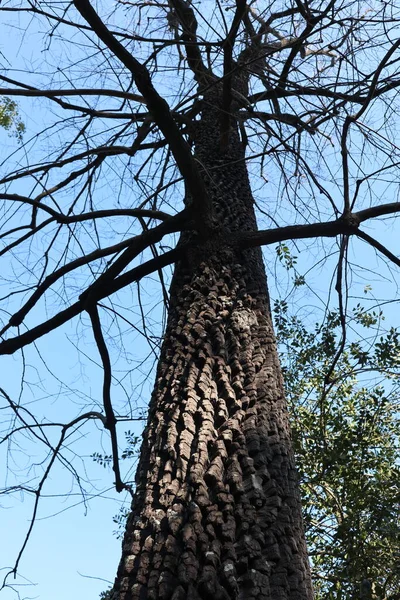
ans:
(347, 444)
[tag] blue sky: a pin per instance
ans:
(67, 553)
(72, 538)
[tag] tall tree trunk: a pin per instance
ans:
(216, 511)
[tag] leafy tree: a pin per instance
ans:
(346, 437)
(181, 106)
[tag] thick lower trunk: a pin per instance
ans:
(216, 510)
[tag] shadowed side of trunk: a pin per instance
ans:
(216, 510)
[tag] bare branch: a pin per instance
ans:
(353, 118)
(187, 19)
(132, 247)
(96, 214)
(13, 344)
(110, 420)
(380, 247)
(34, 93)
(228, 45)
(161, 113)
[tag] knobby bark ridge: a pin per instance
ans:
(216, 510)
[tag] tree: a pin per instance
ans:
(216, 505)
(346, 443)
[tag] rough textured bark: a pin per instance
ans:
(216, 510)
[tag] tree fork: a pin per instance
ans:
(216, 509)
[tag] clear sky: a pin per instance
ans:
(72, 540)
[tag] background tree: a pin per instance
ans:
(346, 439)
(183, 110)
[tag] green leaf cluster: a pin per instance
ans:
(286, 257)
(10, 119)
(346, 435)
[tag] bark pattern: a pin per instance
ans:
(216, 511)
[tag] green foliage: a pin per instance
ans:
(346, 435)
(285, 256)
(106, 595)
(120, 521)
(105, 460)
(9, 118)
